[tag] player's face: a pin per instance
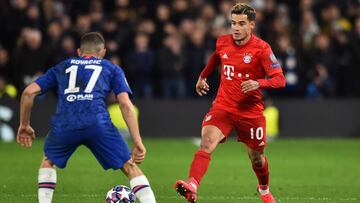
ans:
(241, 27)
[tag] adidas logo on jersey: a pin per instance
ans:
(207, 118)
(262, 143)
(225, 56)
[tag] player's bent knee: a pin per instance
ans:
(208, 144)
(46, 163)
(207, 147)
(210, 137)
(131, 170)
(257, 157)
(258, 162)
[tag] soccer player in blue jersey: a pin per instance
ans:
(81, 118)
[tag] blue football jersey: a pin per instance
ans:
(82, 84)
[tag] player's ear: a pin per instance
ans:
(252, 24)
(102, 53)
(79, 52)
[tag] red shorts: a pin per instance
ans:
(250, 131)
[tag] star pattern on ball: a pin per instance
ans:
(124, 194)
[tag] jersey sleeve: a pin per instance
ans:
(47, 81)
(269, 62)
(119, 83)
(211, 65)
(276, 80)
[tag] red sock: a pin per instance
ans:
(199, 165)
(262, 173)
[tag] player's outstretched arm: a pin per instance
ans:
(202, 86)
(211, 65)
(128, 113)
(25, 133)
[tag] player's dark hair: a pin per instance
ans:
(92, 42)
(245, 9)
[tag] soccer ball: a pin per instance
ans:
(120, 194)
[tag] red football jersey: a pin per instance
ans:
(253, 60)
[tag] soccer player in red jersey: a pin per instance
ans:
(246, 61)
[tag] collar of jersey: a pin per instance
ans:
(248, 42)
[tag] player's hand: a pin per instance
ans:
(138, 153)
(249, 85)
(25, 135)
(202, 86)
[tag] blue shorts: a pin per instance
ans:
(104, 141)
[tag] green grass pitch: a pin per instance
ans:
(302, 170)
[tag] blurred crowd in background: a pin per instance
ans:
(163, 45)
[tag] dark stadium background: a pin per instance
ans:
(162, 45)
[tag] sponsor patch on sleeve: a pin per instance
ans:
(273, 59)
(275, 65)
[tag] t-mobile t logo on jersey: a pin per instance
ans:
(228, 71)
